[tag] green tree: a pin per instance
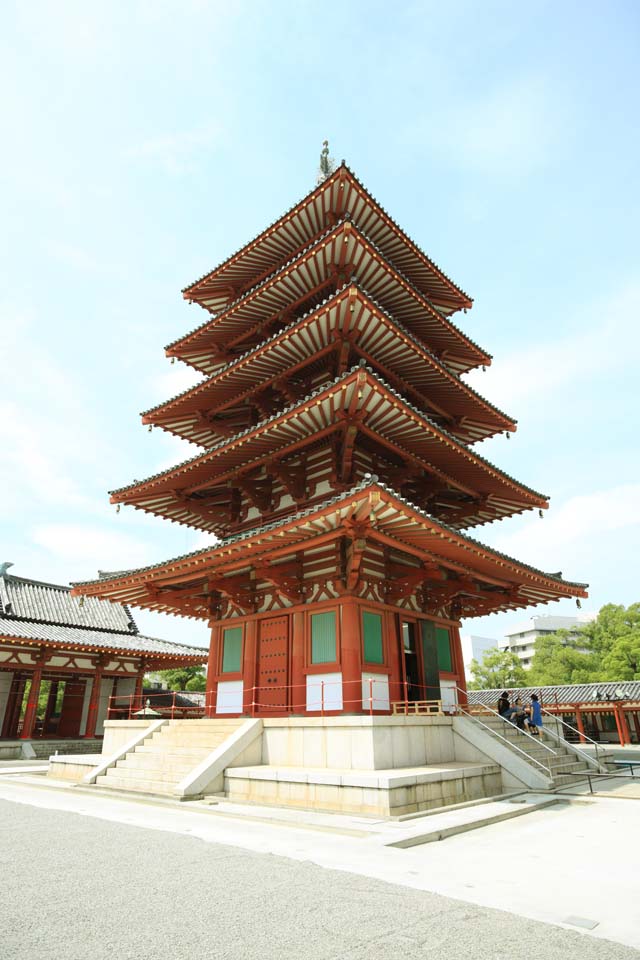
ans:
(499, 668)
(614, 637)
(563, 658)
(607, 648)
(184, 678)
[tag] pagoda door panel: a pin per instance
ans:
(273, 666)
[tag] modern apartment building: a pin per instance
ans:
(522, 639)
(474, 648)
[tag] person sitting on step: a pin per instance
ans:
(519, 714)
(504, 706)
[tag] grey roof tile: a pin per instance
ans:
(565, 693)
(36, 611)
(70, 636)
(28, 599)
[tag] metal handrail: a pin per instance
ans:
(509, 743)
(581, 735)
(571, 746)
(537, 740)
(595, 776)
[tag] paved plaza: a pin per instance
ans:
(87, 876)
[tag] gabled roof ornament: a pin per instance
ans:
(4, 567)
(327, 163)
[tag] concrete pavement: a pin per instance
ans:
(139, 868)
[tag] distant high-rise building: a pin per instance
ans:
(522, 639)
(474, 648)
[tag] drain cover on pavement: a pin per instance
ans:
(583, 922)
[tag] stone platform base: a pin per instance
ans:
(381, 766)
(43, 748)
(383, 793)
(73, 768)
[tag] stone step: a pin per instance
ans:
(185, 740)
(157, 763)
(194, 755)
(157, 746)
(137, 786)
(142, 776)
(576, 766)
(449, 823)
(201, 725)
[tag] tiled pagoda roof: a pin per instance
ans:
(308, 337)
(391, 517)
(315, 416)
(296, 280)
(307, 218)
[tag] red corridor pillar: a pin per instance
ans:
(580, 725)
(351, 658)
(298, 679)
(32, 705)
(211, 694)
(94, 702)
(250, 656)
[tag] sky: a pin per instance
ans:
(144, 142)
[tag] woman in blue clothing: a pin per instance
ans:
(534, 720)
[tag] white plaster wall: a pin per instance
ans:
(324, 691)
(448, 694)
(126, 686)
(230, 696)
(377, 690)
(5, 687)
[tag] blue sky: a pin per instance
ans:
(143, 142)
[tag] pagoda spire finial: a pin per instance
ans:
(327, 163)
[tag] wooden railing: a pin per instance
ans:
(420, 708)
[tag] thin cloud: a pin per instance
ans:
(536, 370)
(41, 457)
(574, 524)
(508, 131)
(176, 153)
(90, 547)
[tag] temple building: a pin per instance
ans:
(63, 659)
(336, 463)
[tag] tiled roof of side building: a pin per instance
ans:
(368, 482)
(306, 198)
(60, 635)
(26, 599)
(565, 693)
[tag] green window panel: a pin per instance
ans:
(444, 649)
(323, 637)
(232, 650)
(372, 631)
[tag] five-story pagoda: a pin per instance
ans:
(337, 468)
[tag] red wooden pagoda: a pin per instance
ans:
(337, 467)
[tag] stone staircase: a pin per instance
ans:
(561, 760)
(159, 763)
